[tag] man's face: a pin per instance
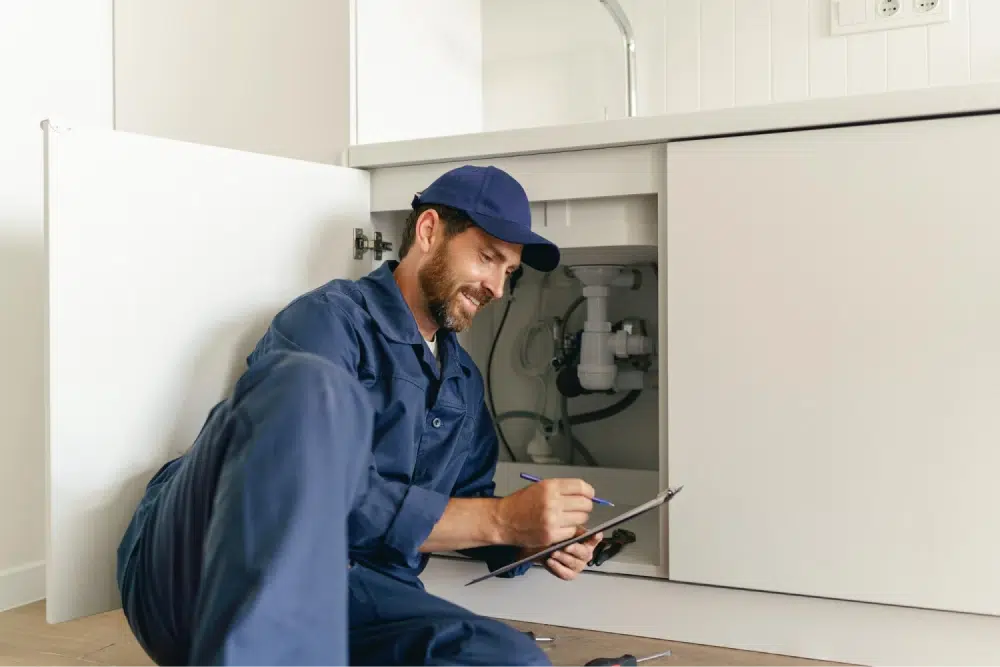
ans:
(463, 273)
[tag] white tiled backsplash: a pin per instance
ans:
(561, 61)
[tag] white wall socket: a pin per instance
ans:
(849, 17)
(885, 9)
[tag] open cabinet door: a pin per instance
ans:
(166, 261)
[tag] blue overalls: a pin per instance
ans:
(340, 446)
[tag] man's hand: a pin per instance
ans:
(570, 561)
(545, 512)
(533, 518)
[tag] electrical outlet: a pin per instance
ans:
(849, 17)
(887, 8)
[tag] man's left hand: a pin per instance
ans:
(570, 561)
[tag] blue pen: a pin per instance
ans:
(599, 501)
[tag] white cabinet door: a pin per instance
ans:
(166, 261)
(833, 313)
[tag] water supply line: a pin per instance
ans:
(628, 38)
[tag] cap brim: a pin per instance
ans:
(538, 253)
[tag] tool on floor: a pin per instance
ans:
(537, 638)
(627, 659)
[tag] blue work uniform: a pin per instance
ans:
(236, 551)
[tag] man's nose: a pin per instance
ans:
(494, 284)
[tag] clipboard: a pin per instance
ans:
(661, 498)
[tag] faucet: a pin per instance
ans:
(621, 20)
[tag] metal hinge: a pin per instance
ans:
(361, 244)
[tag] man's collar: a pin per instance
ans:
(393, 315)
(388, 307)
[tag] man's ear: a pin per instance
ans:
(427, 227)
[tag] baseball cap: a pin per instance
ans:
(495, 202)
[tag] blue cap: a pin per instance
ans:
(497, 203)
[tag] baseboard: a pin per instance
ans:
(22, 585)
(834, 630)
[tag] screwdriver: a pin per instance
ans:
(627, 659)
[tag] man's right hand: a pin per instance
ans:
(545, 512)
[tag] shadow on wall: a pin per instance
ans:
(101, 525)
(207, 380)
(22, 446)
(213, 373)
(222, 359)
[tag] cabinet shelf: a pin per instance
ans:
(626, 488)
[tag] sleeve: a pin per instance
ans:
(476, 481)
(386, 513)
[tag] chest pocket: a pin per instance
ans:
(445, 441)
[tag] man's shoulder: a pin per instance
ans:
(326, 320)
(338, 299)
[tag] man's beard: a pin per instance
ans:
(442, 293)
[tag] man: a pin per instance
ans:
(356, 443)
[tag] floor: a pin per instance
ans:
(26, 639)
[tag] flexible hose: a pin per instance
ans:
(489, 381)
(565, 318)
(570, 421)
(574, 444)
(521, 352)
(576, 420)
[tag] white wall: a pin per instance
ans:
(257, 75)
(55, 61)
(560, 61)
(276, 77)
(419, 69)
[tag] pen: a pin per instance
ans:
(599, 501)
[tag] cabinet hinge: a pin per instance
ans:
(361, 243)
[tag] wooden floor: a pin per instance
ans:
(26, 639)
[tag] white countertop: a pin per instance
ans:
(899, 105)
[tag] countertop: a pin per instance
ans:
(813, 113)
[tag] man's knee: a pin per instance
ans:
(297, 372)
(305, 389)
(309, 425)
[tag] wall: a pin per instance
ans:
(711, 54)
(255, 75)
(55, 61)
(419, 69)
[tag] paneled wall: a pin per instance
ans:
(55, 62)
(561, 61)
(418, 70)
(253, 75)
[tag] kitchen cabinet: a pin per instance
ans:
(833, 368)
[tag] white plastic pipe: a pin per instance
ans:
(599, 347)
(597, 368)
